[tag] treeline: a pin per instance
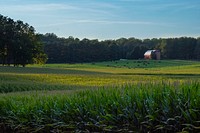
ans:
(19, 45)
(73, 50)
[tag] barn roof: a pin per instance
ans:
(148, 52)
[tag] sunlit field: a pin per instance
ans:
(115, 96)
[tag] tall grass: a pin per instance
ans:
(150, 107)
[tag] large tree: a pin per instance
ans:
(19, 45)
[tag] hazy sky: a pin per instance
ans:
(108, 19)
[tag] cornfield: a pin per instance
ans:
(152, 107)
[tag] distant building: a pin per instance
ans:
(152, 54)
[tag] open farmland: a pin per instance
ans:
(120, 96)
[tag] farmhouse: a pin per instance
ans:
(152, 54)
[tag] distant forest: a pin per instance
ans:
(20, 45)
(74, 50)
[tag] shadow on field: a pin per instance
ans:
(34, 70)
(162, 74)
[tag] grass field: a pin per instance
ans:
(116, 96)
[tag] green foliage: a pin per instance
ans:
(115, 96)
(19, 45)
(197, 49)
(73, 50)
(151, 107)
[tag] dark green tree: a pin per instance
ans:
(197, 49)
(19, 44)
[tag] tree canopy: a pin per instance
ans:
(19, 45)
(73, 50)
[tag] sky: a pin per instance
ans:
(108, 19)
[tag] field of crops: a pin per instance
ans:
(117, 96)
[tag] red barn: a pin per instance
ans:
(152, 54)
